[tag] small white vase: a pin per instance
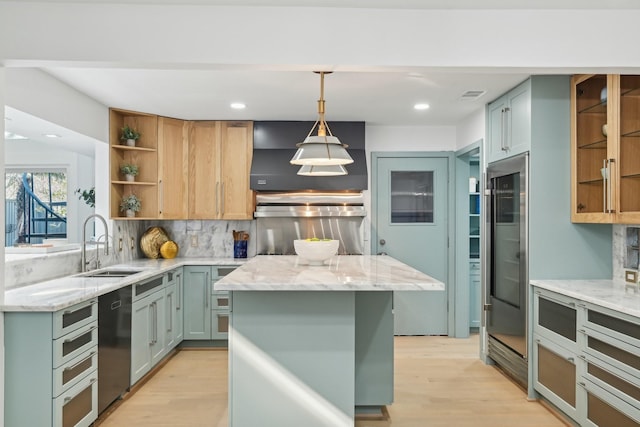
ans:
(130, 178)
(130, 213)
(131, 142)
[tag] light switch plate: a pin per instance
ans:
(630, 276)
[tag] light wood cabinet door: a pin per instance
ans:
(236, 150)
(204, 160)
(172, 174)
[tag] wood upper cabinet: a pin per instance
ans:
(236, 150)
(144, 155)
(204, 141)
(172, 173)
(605, 148)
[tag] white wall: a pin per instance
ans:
(471, 129)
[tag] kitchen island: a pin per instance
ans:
(312, 345)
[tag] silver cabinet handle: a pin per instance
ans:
(161, 196)
(71, 368)
(222, 198)
(92, 302)
(178, 289)
(604, 185)
(155, 322)
(504, 125)
(610, 187)
(70, 398)
(80, 334)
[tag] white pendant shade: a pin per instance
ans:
(321, 151)
(332, 170)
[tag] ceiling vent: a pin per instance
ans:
(472, 95)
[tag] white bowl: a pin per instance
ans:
(316, 252)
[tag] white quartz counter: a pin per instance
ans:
(340, 273)
(56, 294)
(606, 293)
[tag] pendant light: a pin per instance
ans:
(321, 150)
(312, 170)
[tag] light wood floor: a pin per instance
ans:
(439, 381)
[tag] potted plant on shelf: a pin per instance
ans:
(129, 171)
(130, 135)
(130, 205)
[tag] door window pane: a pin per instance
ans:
(506, 233)
(411, 197)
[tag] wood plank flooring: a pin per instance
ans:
(439, 381)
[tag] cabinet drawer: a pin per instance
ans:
(70, 346)
(142, 289)
(555, 373)
(220, 324)
(605, 410)
(555, 317)
(220, 300)
(74, 317)
(614, 352)
(77, 407)
(617, 325)
(613, 380)
(69, 374)
(221, 271)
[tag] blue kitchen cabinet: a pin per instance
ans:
(197, 302)
(173, 309)
(474, 294)
(509, 123)
(51, 367)
(148, 337)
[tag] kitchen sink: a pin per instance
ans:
(109, 273)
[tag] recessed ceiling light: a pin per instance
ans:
(51, 135)
(11, 135)
(421, 106)
(238, 106)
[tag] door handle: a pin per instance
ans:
(383, 242)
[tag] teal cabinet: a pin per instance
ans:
(586, 360)
(206, 312)
(197, 305)
(475, 291)
(51, 367)
(173, 310)
(509, 123)
(148, 326)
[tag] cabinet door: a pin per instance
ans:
(592, 147)
(474, 295)
(179, 326)
(519, 119)
(141, 338)
(171, 314)
(172, 177)
(628, 168)
(236, 151)
(196, 303)
(496, 129)
(158, 327)
(204, 185)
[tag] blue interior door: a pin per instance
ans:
(411, 224)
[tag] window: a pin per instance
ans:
(35, 206)
(411, 197)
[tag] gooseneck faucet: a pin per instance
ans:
(83, 258)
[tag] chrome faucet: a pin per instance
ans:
(83, 258)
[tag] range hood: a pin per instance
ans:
(274, 144)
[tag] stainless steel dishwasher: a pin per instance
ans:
(114, 346)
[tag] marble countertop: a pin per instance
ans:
(606, 293)
(56, 294)
(340, 273)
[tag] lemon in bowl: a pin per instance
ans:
(316, 251)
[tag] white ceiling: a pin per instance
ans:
(376, 96)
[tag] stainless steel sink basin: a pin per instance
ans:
(110, 273)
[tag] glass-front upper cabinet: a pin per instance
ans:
(629, 150)
(592, 148)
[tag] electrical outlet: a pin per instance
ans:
(194, 241)
(630, 276)
(133, 243)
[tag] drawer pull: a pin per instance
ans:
(81, 334)
(70, 398)
(70, 368)
(570, 359)
(84, 306)
(582, 331)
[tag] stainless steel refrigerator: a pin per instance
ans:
(506, 272)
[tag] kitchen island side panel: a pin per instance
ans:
(291, 359)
